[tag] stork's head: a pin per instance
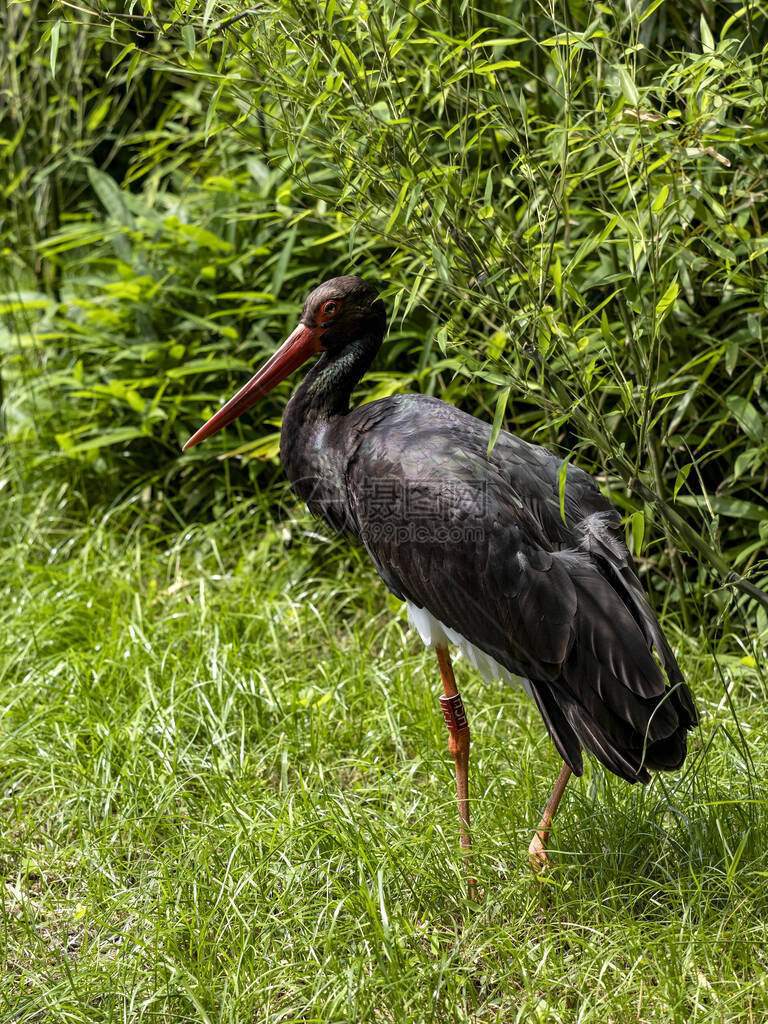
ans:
(341, 310)
(335, 314)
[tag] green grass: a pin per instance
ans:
(226, 796)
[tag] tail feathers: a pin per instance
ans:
(667, 755)
(626, 713)
(629, 753)
(601, 538)
(620, 693)
(566, 741)
(622, 761)
(652, 630)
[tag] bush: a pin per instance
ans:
(564, 211)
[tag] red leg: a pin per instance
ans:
(458, 745)
(537, 851)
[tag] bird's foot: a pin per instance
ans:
(537, 853)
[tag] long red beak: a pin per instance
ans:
(297, 348)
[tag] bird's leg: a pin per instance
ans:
(537, 851)
(458, 744)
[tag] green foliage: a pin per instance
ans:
(562, 204)
(578, 204)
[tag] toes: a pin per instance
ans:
(537, 854)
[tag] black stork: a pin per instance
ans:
(478, 547)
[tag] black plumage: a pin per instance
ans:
(480, 542)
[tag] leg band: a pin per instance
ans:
(453, 712)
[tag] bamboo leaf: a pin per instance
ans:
(682, 476)
(734, 508)
(661, 197)
(498, 417)
(666, 301)
(707, 40)
(635, 532)
(748, 418)
(188, 37)
(628, 86)
(110, 196)
(55, 34)
(652, 6)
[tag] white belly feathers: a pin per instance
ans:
(436, 634)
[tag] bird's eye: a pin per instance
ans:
(330, 307)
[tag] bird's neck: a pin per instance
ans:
(326, 390)
(309, 447)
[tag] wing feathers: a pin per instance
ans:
(558, 604)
